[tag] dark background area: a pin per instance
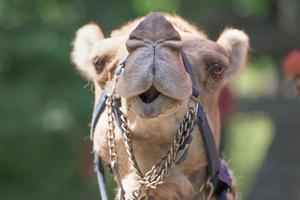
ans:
(46, 106)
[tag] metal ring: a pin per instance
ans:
(210, 187)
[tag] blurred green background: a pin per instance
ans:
(46, 106)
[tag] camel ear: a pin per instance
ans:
(236, 43)
(85, 38)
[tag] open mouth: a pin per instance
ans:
(150, 95)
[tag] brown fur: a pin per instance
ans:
(154, 125)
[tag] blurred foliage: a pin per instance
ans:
(45, 106)
(256, 8)
(142, 7)
(259, 79)
(249, 136)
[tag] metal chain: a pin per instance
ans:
(207, 190)
(111, 143)
(161, 170)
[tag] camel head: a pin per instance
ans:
(154, 83)
(155, 88)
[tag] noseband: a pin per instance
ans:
(219, 180)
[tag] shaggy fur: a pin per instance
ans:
(152, 46)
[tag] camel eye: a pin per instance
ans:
(100, 62)
(216, 70)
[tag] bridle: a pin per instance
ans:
(219, 180)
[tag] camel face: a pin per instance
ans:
(154, 81)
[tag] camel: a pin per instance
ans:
(155, 93)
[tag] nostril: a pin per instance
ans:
(133, 44)
(172, 45)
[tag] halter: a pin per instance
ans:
(219, 180)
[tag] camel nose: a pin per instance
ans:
(155, 27)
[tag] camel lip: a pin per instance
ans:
(150, 95)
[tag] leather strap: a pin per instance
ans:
(98, 110)
(212, 155)
(188, 68)
(217, 170)
(117, 112)
(100, 177)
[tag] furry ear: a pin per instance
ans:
(236, 43)
(85, 38)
